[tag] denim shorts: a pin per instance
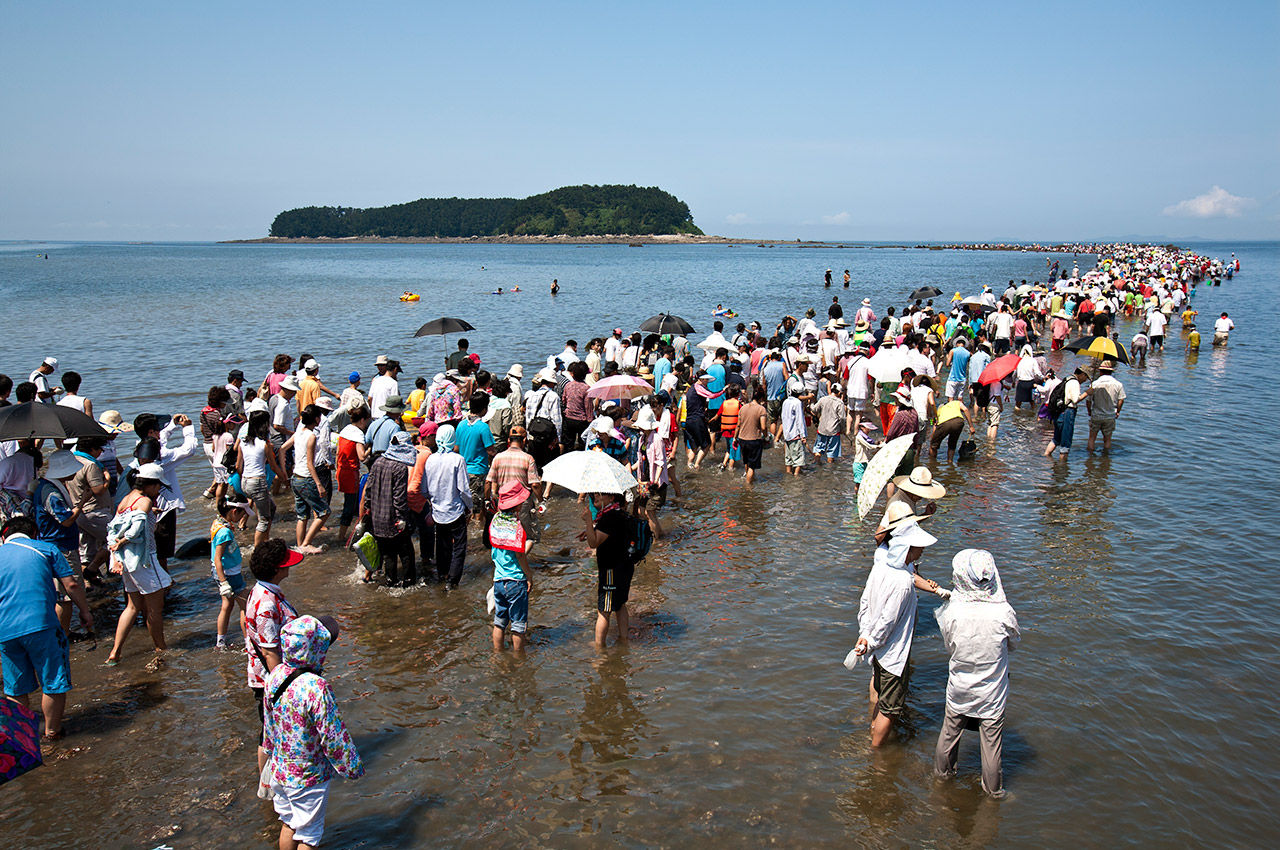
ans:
(512, 601)
(38, 661)
(306, 499)
(828, 446)
(236, 580)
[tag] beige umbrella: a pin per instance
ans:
(880, 470)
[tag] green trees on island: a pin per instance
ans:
(571, 211)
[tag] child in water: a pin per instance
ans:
(1193, 340)
(225, 555)
(305, 738)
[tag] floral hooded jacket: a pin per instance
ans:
(305, 737)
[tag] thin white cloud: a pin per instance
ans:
(838, 218)
(736, 218)
(1215, 203)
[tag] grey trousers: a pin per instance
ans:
(991, 736)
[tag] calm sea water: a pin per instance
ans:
(1142, 709)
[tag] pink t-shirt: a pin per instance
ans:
(274, 380)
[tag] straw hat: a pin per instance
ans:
(862, 325)
(545, 376)
(920, 483)
(899, 514)
(1107, 366)
(114, 422)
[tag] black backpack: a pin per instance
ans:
(1057, 401)
(541, 429)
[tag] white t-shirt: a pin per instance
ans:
(1004, 325)
(612, 348)
(300, 452)
(75, 402)
(381, 388)
(858, 378)
(282, 413)
(1223, 325)
(1156, 322)
(41, 380)
(255, 462)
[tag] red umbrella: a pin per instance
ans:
(999, 369)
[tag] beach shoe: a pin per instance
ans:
(208, 494)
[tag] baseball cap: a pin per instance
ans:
(52, 363)
(310, 366)
(353, 377)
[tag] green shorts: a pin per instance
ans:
(891, 689)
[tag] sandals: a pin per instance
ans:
(55, 736)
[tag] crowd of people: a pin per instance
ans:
(456, 462)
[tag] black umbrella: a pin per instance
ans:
(925, 292)
(443, 327)
(34, 420)
(665, 323)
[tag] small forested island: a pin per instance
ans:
(570, 211)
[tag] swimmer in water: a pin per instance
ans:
(499, 292)
(555, 286)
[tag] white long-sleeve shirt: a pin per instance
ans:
(1029, 369)
(170, 497)
(979, 637)
(887, 611)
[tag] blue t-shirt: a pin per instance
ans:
(27, 570)
(505, 565)
(959, 365)
(52, 510)
(231, 558)
(717, 373)
(775, 380)
(473, 438)
(660, 370)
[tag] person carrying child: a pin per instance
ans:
(306, 740)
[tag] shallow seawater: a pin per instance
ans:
(1141, 711)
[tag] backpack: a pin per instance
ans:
(1057, 400)
(640, 540)
(541, 429)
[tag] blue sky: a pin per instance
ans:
(921, 121)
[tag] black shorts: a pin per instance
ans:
(891, 689)
(613, 588)
(167, 535)
(752, 450)
(258, 694)
(696, 435)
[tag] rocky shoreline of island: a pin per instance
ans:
(688, 239)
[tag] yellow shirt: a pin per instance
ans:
(950, 410)
(414, 402)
